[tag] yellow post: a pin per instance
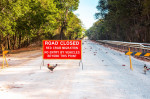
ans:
(6, 60)
(130, 61)
(4, 57)
(3, 61)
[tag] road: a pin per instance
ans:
(105, 75)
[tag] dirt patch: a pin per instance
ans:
(20, 56)
(25, 50)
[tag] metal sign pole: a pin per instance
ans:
(42, 63)
(81, 63)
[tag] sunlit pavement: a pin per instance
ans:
(106, 75)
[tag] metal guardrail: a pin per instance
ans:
(139, 47)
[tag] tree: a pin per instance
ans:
(74, 29)
(126, 20)
(65, 6)
(23, 22)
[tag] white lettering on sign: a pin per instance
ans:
(63, 55)
(72, 52)
(62, 52)
(69, 43)
(55, 55)
(54, 52)
(46, 52)
(71, 55)
(56, 47)
(62, 49)
(49, 56)
(48, 47)
(70, 48)
(51, 43)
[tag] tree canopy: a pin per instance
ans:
(23, 22)
(125, 20)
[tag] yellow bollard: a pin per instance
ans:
(4, 57)
(130, 61)
(3, 61)
(6, 60)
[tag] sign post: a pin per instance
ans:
(62, 49)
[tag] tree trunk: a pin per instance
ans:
(14, 41)
(20, 40)
(64, 24)
(62, 31)
(8, 42)
(28, 40)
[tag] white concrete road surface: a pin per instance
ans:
(106, 75)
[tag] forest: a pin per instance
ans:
(122, 20)
(23, 22)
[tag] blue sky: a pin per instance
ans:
(86, 11)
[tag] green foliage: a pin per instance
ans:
(126, 20)
(25, 21)
(74, 29)
(65, 7)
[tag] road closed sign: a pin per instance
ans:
(62, 49)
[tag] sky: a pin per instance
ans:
(86, 12)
